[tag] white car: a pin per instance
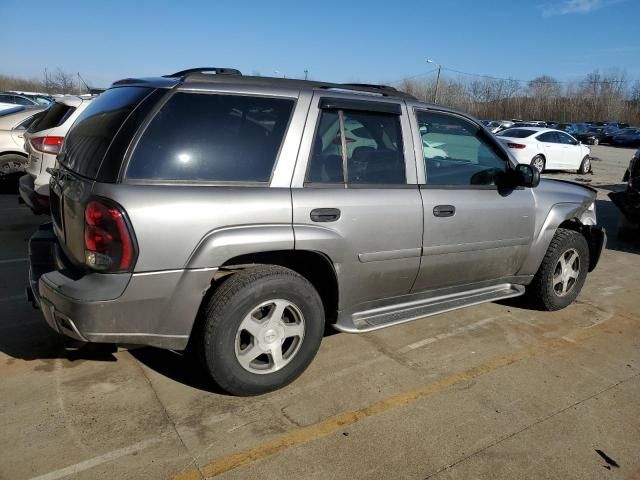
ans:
(546, 149)
(13, 123)
(43, 141)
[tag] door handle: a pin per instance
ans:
(325, 214)
(444, 211)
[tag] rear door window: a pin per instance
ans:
(213, 138)
(549, 137)
(358, 146)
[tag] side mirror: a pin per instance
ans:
(527, 176)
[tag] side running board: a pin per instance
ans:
(382, 317)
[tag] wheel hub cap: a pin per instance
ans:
(566, 273)
(270, 336)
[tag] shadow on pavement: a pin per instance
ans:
(609, 217)
(9, 183)
(184, 369)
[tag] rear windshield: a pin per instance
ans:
(54, 116)
(516, 133)
(212, 137)
(89, 138)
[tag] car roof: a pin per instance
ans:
(230, 75)
(535, 129)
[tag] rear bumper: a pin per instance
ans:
(155, 308)
(38, 204)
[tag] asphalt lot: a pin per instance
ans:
(494, 391)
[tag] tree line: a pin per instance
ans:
(55, 82)
(596, 97)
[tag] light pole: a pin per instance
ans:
(435, 95)
(278, 72)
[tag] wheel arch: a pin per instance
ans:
(14, 152)
(559, 214)
(315, 266)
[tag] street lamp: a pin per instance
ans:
(435, 95)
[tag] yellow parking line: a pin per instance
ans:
(332, 424)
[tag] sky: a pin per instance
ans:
(342, 41)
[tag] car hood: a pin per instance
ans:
(564, 191)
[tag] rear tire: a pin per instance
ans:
(585, 166)
(262, 328)
(538, 162)
(11, 164)
(562, 272)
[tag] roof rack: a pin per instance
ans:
(216, 70)
(383, 90)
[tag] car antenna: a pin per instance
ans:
(85, 83)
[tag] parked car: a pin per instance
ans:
(629, 201)
(42, 99)
(212, 212)
(627, 137)
(596, 135)
(546, 149)
(13, 123)
(618, 125)
(43, 140)
(573, 128)
(17, 99)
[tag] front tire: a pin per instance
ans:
(262, 329)
(562, 272)
(585, 166)
(538, 162)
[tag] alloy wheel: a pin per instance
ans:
(270, 336)
(566, 273)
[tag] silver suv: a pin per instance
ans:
(234, 216)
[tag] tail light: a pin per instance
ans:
(109, 245)
(516, 145)
(51, 145)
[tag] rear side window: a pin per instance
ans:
(94, 129)
(26, 123)
(212, 137)
(54, 116)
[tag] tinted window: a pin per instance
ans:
(207, 137)
(459, 153)
(549, 137)
(93, 130)
(6, 99)
(26, 123)
(516, 133)
(54, 116)
(374, 152)
(22, 101)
